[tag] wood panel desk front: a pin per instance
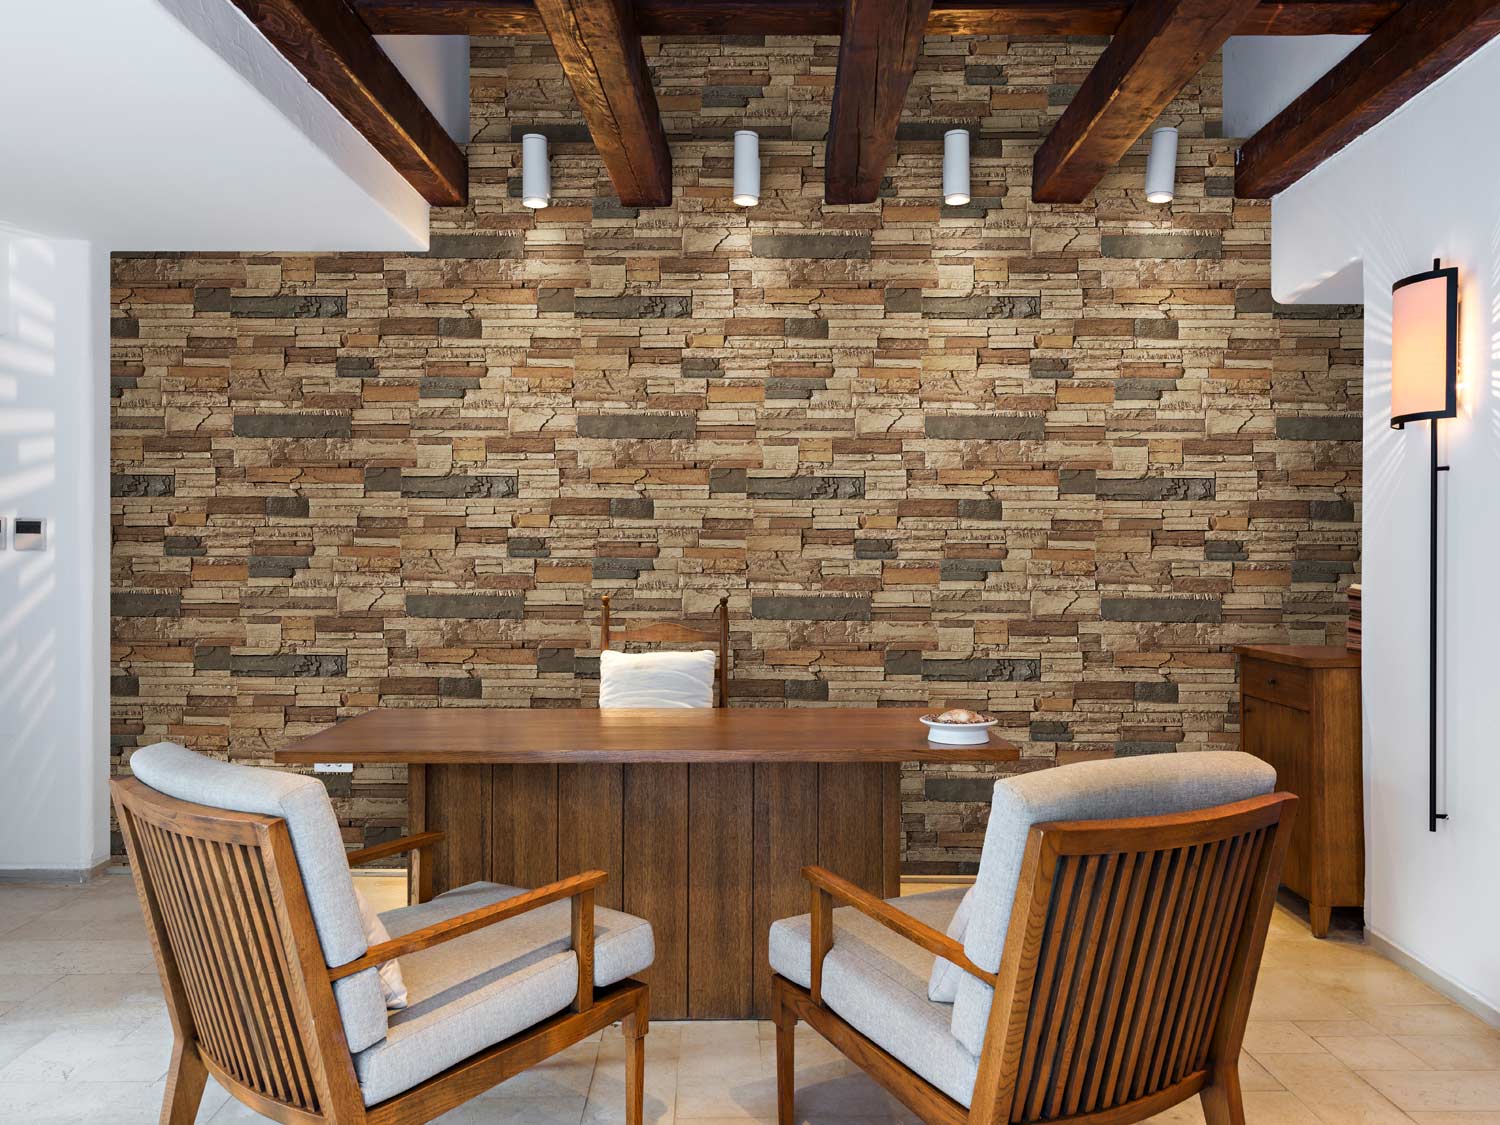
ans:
(702, 818)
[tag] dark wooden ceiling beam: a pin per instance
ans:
(1157, 49)
(825, 17)
(1406, 54)
(334, 50)
(600, 51)
(878, 53)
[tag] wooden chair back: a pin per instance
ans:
(673, 632)
(238, 953)
(1130, 962)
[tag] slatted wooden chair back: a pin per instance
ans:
(1132, 953)
(674, 632)
(238, 952)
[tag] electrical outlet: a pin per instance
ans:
(333, 767)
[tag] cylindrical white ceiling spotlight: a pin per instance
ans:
(1161, 166)
(956, 167)
(746, 167)
(536, 174)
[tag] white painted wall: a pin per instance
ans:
(437, 66)
(1418, 186)
(1263, 73)
(54, 604)
(152, 125)
(173, 125)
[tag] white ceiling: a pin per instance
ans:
(173, 125)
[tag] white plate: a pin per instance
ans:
(958, 734)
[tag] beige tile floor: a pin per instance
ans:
(1338, 1035)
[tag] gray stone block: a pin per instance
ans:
(1319, 427)
(471, 607)
(985, 427)
(806, 488)
(142, 484)
(1161, 246)
(460, 486)
(639, 426)
(123, 604)
(294, 665)
(1171, 610)
(292, 425)
(810, 245)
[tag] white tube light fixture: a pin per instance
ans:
(536, 174)
(956, 167)
(746, 167)
(1161, 166)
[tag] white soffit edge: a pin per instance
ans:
(174, 125)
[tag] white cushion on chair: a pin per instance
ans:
(942, 985)
(480, 989)
(392, 983)
(656, 679)
(876, 981)
(317, 843)
(1112, 789)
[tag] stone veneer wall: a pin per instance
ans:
(1048, 461)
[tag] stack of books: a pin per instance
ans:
(1352, 642)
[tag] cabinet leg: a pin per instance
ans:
(1320, 917)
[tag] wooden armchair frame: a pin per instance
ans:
(251, 999)
(673, 632)
(1125, 983)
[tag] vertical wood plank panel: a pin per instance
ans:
(525, 825)
(655, 875)
(590, 815)
(458, 805)
(890, 811)
(850, 824)
(720, 891)
(786, 840)
(416, 821)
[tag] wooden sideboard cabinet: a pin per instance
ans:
(1299, 711)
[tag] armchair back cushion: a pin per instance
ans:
(656, 679)
(1115, 789)
(303, 803)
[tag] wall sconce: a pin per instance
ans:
(1161, 166)
(1424, 385)
(746, 167)
(536, 174)
(956, 167)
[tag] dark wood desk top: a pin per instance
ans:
(473, 735)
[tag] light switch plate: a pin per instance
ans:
(31, 534)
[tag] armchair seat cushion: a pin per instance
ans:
(877, 982)
(477, 990)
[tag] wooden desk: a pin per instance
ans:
(702, 818)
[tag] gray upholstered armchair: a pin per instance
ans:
(280, 986)
(1100, 969)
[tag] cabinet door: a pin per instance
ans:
(1281, 736)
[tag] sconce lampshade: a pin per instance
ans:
(536, 175)
(1161, 166)
(1424, 346)
(746, 167)
(956, 167)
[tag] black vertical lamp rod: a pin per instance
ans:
(1433, 816)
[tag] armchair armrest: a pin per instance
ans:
(579, 888)
(412, 843)
(826, 887)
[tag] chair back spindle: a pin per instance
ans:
(1137, 953)
(237, 949)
